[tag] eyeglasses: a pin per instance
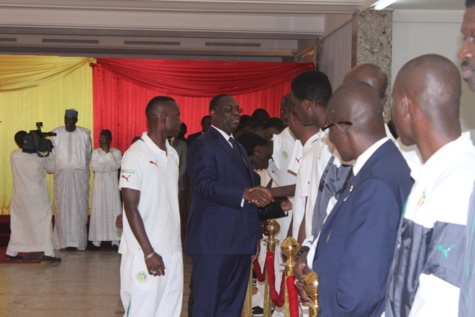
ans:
(230, 108)
(328, 126)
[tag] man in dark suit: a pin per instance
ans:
(223, 227)
(205, 124)
(357, 241)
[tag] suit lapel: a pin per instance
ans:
(385, 147)
(224, 144)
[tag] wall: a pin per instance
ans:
(419, 32)
(335, 55)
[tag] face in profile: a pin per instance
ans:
(262, 155)
(467, 52)
(301, 108)
(172, 121)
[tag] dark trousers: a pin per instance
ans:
(220, 284)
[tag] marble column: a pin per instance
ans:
(372, 43)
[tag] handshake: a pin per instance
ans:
(258, 196)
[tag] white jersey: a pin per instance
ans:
(282, 156)
(72, 152)
(427, 268)
(306, 183)
(31, 226)
(153, 172)
(106, 204)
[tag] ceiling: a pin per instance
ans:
(273, 30)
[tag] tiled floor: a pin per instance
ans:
(85, 284)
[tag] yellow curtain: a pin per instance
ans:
(69, 85)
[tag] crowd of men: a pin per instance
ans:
(386, 219)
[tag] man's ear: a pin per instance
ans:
(212, 113)
(407, 106)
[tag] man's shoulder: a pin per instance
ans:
(84, 130)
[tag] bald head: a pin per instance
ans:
(371, 74)
(426, 103)
(433, 83)
(355, 110)
(359, 103)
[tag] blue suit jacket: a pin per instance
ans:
(217, 223)
(357, 241)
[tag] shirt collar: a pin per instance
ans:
(308, 145)
(364, 157)
(445, 154)
(153, 146)
(224, 134)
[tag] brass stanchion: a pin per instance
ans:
(272, 228)
(290, 247)
(247, 309)
(311, 286)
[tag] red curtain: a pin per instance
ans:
(122, 88)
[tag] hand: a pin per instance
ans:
(286, 205)
(301, 271)
(118, 221)
(258, 196)
(155, 265)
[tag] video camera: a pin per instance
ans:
(37, 142)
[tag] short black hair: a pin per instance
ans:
(19, 138)
(205, 117)
(312, 85)
(260, 114)
(213, 104)
(250, 141)
(274, 123)
(155, 100)
(469, 3)
(107, 133)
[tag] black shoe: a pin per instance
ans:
(51, 259)
(93, 248)
(115, 248)
(257, 311)
(71, 249)
(13, 258)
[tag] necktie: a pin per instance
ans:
(237, 151)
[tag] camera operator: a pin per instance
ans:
(72, 152)
(31, 227)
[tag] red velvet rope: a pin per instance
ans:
(293, 297)
(277, 298)
(259, 274)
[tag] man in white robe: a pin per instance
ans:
(30, 211)
(106, 206)
(72, 154)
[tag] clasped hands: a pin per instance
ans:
(301, 271)
(258, 196)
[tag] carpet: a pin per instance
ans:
(28, 258)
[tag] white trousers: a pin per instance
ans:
(144, 295)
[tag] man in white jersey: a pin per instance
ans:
(311, 91)
(151, 270)
(427, 270)
(72, 152)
